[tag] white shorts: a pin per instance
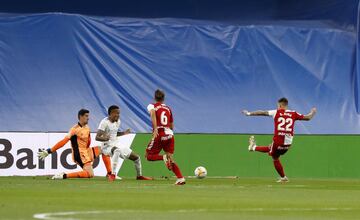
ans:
(108, 149)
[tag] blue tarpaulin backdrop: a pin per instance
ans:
(51, 65)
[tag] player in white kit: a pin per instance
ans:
(108, 131)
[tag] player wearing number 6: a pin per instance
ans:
(284, 120)
(163, 136)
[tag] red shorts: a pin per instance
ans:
(165, 143)
(276, 150)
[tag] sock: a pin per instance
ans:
(176, 170)
(80, 174)
(264, 149)
(279, 168)
(154, 157)
(107, 162)
(115, 160)
(137, 164)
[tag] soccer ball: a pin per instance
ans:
(200, 172)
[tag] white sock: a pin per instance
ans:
(115, 160)
(137, 164)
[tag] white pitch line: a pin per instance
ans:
(67, 215)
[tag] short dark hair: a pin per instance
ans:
(159, 95)
(283, 101)
(82, 112)
(113, 107)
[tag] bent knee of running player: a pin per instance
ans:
(170, 157)
(133, 156)
(153, 156)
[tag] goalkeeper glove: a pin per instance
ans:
(44, 153)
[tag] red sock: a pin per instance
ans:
(264, 149)
(176, 170)
(154, 157)
(279, 168)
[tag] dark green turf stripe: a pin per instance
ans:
(311, 156)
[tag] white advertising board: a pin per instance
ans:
(18, 154)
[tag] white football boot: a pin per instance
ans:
(283, 180)
(58, 176)
(118, 178)
(180, 181)
(252, 143)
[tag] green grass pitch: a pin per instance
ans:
(241, 198)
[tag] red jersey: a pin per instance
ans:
(163, 115)
(284, 121)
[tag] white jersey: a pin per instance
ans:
(110, 128)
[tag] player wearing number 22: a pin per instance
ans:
(163, 136)
(284, 120)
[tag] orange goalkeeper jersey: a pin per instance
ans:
(80, 144)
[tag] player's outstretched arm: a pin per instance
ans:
(44, 153)
(309, 116)
(121, 133)
(255, 113)
(102, 136)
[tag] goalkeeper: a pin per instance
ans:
(83, 155)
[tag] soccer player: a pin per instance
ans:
(284, 120)
(83, 155)
(108, 131)
(163, 136)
